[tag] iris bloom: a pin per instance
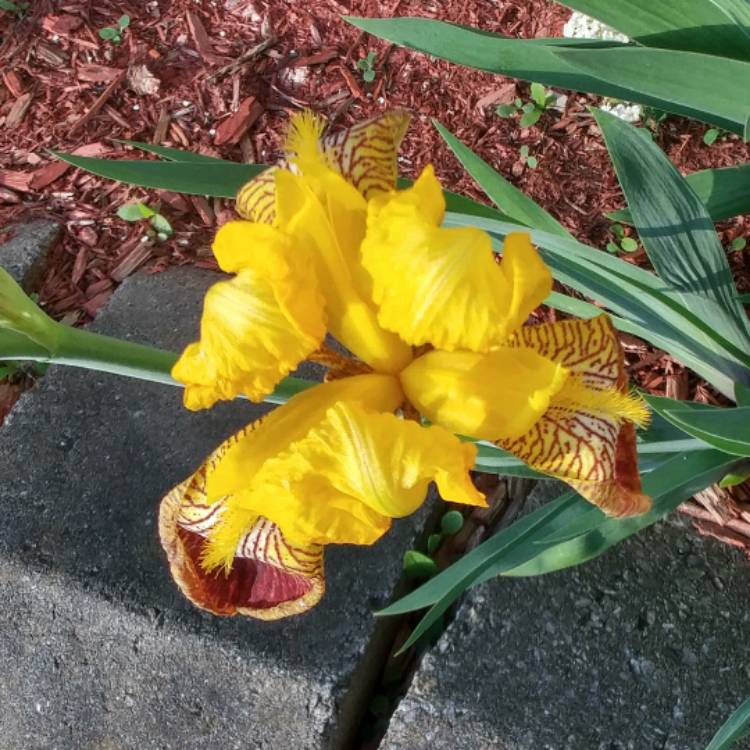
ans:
(326, 243)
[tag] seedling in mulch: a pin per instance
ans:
(621, 241)
(653, 116)
(737, 244)
(114, 33)
(17, 8)
(736, 477)
(530, 161)
(541, 99)
(714, 134)
(161, 229)
(367, 66)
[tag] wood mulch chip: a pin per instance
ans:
(220, 77)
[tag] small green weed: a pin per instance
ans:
(367, 67)
(530, 161)
(620, 241)
(714, 134)
(737, 244)
(114, 33)
(17, 8)
(541, 99)
(160, 227)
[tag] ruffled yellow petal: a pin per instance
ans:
(387, 462)
(244, 454)
(322, 218)
(587, 436)
(256, 327)
(502, 393)
(528, 277)
(256, 199)
(267, 577)
(443, 286)
(348, 477)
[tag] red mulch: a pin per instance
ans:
(179, 78)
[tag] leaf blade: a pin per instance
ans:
(675, 228)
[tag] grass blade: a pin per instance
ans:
(727, 429)
(700, 86)
(176, 154)
(736, 728)
(725, 193)
(222, 180)
(676, 230)
(500, 191)
(669, 485)
(708, 26)
(544, 61)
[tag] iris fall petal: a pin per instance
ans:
(587, 436)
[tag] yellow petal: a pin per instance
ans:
(365, 154)
(244, 454)
(256, 327)
(331, 237)
(246, 244)
(487, 396)
(349, 476)
(586, 437)
(442, 286)
(528, 277)
(387, 462)
(256, 200)
(267, 577)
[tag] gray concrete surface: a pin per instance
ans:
(644, 648)
(24, 255)
(98, 650)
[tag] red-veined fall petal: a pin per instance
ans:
(256, 199)
(586, 437)
(268, 578)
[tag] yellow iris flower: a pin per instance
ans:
(326, 243)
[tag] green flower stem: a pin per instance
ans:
(78, 347)
(93, 351)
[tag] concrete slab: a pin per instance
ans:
(643, 648)
(97, 648)
(24, 255)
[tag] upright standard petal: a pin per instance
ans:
(443, 286)
(256, 327)
(365, 154)
(268, 577)
(587, 436)
(345, 480)
(325, 225)
(487, 396)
